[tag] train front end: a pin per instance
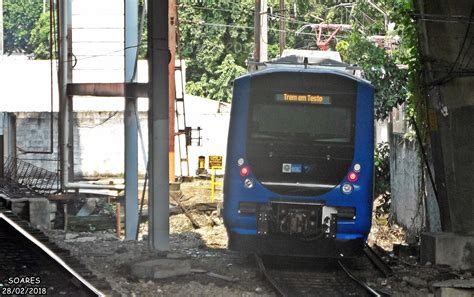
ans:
(299, 172)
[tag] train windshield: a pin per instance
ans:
(301, 131)
(302, 123)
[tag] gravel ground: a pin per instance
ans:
(206, 247)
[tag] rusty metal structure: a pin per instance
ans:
(19, 175)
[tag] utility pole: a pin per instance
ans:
(282, 35)
(261, 24)
(158, 125)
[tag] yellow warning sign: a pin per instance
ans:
(215, 161)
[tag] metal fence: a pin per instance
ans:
(32, 177)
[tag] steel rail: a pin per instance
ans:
(358, 281)
(280, 290)
(268, 277)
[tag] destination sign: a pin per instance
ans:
(303, 98)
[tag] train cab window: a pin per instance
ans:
(301, 122)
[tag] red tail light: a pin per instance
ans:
(244, 171)
(352, 176)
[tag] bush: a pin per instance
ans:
(382, 179)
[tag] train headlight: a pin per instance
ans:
(357, 167)
(248, 183)
(240, 161)
(347, 188)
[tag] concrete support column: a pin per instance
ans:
(131, 121)
(65, 102)
(158, 120)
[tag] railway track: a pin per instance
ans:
(291, 276)
(32, 265)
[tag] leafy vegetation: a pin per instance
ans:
(216, 40)
(19, 19)
(39, 37)
(380, 69)
(382, 178)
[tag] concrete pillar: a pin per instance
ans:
(65, 101)
(40, 213)
(158, 119)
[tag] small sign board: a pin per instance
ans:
(215, 161)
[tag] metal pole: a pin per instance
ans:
(256, 22)
(70, 102)
(131, 122)
(158, 119)
(263, 31)
(172, 84)
(282, 34)
(261, 36)
(65, 108)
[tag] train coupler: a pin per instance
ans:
(305, 220)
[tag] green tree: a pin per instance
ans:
(220, 87)
(39, 38)
(389, 81)
(19, 19)
(216, 39)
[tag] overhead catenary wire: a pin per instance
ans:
(203, 23)
(292, 20)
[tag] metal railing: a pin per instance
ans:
(32, 177)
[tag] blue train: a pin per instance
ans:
(299, 166)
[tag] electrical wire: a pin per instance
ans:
(461, 49)
(212, 8)
(292, 20)
(102, 55)
(99, 124)
(202, 23)
(466, 53)
(450, 75)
